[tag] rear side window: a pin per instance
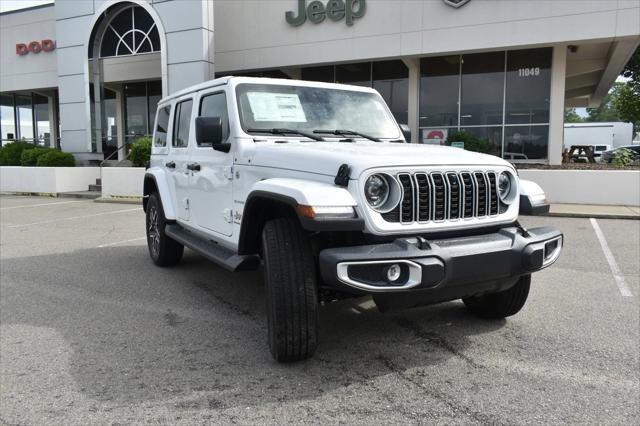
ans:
(182, 124)
(216, 106)
(162, 126)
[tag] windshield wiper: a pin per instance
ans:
(339, 132)
(277, 131)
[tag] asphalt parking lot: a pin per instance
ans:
(91, 332)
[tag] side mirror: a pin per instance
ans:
(406, 132)
(209, 131)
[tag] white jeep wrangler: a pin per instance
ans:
(316, 182)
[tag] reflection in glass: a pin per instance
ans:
(528, 86)
(7, 118)
(25, 117)
(136, 106)
(439, 91)
(526, 142)
(162, 127)
(109, 125)
(391, 79)
(154, 91)
(482, 88)
(492, 135)
(216, 106)
(43, 126)
(325, 74)
(182, 124)
(355, 74)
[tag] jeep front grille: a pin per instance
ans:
(444, 196)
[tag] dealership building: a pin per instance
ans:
(86, 75)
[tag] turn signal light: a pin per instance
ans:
(326, 212)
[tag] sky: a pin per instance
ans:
(7, 5)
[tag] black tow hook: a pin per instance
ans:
(522, 229)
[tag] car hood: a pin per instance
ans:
(326, 157)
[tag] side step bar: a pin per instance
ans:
(212, 251)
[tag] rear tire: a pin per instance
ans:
(502, 304)
(292, 296)
(163, 250)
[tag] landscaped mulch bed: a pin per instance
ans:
(575, 166)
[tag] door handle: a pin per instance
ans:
(170, 165)
(194, 167)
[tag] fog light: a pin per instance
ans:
(394, 272)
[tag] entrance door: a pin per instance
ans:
(179, 174)
(211, 187)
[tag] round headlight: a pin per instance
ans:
(376, 190)
(504, 186)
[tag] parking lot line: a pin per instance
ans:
(121, 242)
(39, 205)
(615, 270)
(45, 222)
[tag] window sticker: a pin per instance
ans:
(268, 106)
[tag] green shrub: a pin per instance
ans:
(471, 143)
(624, 157)
(30, 156)
(141, 152)
(11, 154)
(55, 158)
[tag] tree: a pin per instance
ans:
(571, 116)
(628, 103)
(606, 111)
(628, 100)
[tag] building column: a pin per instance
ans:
(413, 109)
(120, 123)
(53, 120)
(556, 104)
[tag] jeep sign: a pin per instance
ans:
(335, 10)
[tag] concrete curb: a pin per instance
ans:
(119, 200)
(594, 215)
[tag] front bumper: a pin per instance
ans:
(442, 269)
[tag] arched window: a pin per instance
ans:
(131, 32)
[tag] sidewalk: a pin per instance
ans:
(595, 211)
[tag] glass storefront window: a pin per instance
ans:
(439, 83)
(154, 90)
(110, 124)
(528, 86)
(7, 118)
(435, 135)
(325, 74)
(43, 125)
(136, 107)
(355, 74)
(525, 142)
(25, 117)
(482, 88)
(391, 79)
(492, 135)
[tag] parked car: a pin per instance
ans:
(514, 156)
(607, 156)
(315, 182)
(599, 149)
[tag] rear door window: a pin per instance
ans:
(182, 124)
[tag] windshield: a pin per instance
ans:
(309, 109)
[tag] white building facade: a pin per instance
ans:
(86, 75)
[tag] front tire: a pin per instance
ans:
(163, 250)
(292, 298)
(502, 304)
